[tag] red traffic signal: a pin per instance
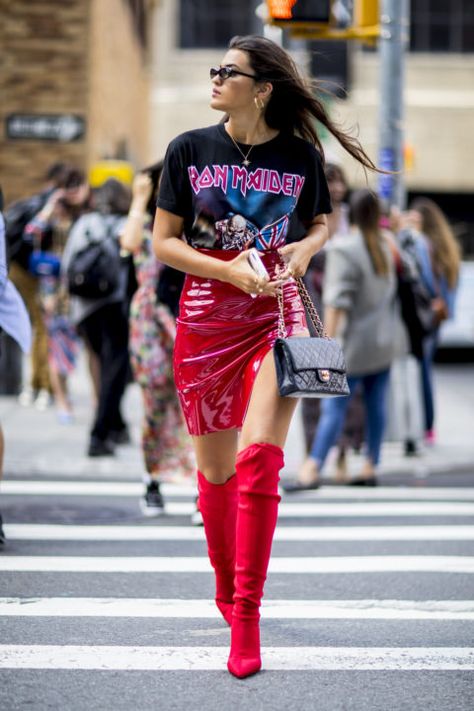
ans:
(299, 10)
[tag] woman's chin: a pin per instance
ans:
(217, 104)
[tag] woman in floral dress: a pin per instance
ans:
(166, 445)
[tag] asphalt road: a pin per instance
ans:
(368, 604)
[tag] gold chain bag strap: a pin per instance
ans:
(308, 366)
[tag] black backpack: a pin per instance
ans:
(94, 271)
(17, 217)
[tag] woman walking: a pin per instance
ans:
(438, 257)
(167, 449)
(102, 320)
(254, 165)
(353, 434)
(360, 307)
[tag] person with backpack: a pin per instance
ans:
(97, 282)
(19, 247)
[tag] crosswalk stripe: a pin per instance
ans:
(355, 509)
(67, 532)
(106, 658)
(178, 564)
(271, 609)
(135, 489)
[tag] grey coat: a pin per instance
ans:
(371, 331)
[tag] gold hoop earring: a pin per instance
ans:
(259, 103)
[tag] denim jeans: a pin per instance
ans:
(333, 413)
(429, 349)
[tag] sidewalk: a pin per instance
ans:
(36, 444)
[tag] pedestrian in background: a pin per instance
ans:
(49, 230)
(228, 317)
(353, 434)
(437, 254)
(102, 321)
(14, 321)
(19, 249)
(360, 308)
(166, 445)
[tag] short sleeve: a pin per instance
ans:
(341, 279)
(174, 192)
(314, 199)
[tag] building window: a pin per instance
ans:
(211, 23)
(440, 26)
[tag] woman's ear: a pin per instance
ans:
(264, 90)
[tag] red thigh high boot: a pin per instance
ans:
(257, 470)
(218, 506)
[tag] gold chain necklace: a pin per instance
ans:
(245, 156)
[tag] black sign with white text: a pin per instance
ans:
(46, 127)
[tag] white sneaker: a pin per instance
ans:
(43, 400)
(26, 397)
(196, 516)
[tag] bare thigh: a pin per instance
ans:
(269, 415)
(215, 455)
(267, 419)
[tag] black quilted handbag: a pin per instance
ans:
(307, 366)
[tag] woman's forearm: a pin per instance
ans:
(132, 234)
(317, 236)
(334, 320)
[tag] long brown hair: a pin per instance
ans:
(293, 106)
(364, 213)
(446, 254)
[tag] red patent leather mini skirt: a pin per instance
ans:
(222, 337)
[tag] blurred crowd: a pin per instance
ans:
(83, 263)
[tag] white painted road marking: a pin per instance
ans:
(104, 658)
(356, 509)
(69, 532)
(271, 609)
(178, 564)
(135, 489)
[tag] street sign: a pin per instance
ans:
(45, 127)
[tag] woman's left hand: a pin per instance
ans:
(296, 257)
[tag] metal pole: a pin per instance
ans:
(392, 46)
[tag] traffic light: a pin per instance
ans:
(327, 19)
(366, 13)
(300, 10)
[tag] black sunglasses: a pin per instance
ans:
(227, 72)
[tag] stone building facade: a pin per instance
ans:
(68, 62)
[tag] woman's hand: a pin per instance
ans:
(52, 205)
(141, 189)
(239, 273)
(296, 257)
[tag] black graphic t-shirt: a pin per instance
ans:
(227, 205)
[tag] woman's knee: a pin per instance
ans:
(215, 473)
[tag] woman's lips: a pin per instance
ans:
(215, 93)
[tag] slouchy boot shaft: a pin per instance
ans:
(257, 469)
(218, 506)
